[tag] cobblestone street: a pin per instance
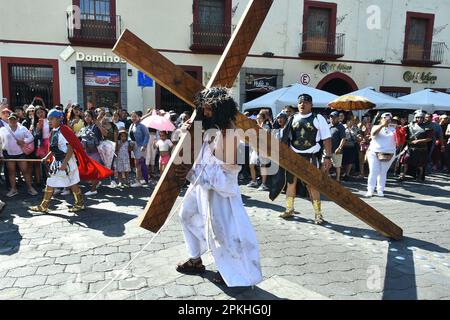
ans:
(66, 256)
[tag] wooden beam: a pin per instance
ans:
(167, 190)
(174, 79)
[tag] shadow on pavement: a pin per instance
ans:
(241, 293)
(111, 223)
(400, 275)
(10, 236)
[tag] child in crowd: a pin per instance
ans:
(165, 146)
(123, 147)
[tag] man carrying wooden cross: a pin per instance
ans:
(212, 213)
(303, 133)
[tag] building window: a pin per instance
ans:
(319, 23)
(99, 24)
(419, 48)
(26, 78)
(99, 10)
(211, 29)
(319, 38)
(28, 82)
(396, 92)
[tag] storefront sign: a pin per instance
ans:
(419, 77)
(101, 78)
(256, 82)
(104, 58)
(326, 67)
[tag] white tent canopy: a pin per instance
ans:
(439, 101)
(384, 101)
(278, 99)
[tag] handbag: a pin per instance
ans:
(27, 148)
(43, 149)
(384, 156)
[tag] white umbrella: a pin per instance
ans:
(278, 99)
(382, 101)
(438, 100)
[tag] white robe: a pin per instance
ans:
(213, 210)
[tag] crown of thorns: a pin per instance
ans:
(213, 96)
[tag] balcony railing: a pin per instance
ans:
(209, 37)
(424, 54)
(317, 46)
(98, 29)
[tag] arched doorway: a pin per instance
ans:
(338, 84)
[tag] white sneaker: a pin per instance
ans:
(253, 184)
(263, 187)
(2, 205)
(136, 185)
(381, 194)
(369, 194)
(113, 184)
(91, 193)
(65, 192)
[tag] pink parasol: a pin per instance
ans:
(158, 122)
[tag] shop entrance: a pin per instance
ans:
(168, 101)
(102, 88)
(338, 84)
(103, 97)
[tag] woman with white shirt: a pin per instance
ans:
(381, 154)
(14, 137)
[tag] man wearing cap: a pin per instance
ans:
(338, 136)
(418, 135)
(303, 133)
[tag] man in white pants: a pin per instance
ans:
(381, 154)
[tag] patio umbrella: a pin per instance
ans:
(158, 122)
(278, 99)
(351, 103)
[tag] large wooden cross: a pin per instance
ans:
(174, 79)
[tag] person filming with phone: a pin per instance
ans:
(381, 154)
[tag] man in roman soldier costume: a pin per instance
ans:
(303, 133)
(418, 134)
(65, 151)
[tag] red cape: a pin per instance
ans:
(88, 168)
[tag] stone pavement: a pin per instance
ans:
(66, 256)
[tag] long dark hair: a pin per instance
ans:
(36, 118)
(224, 108)
(91, 113)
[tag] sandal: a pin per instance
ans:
(191, 266)
(217, 279)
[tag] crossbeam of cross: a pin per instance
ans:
(174, 79)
